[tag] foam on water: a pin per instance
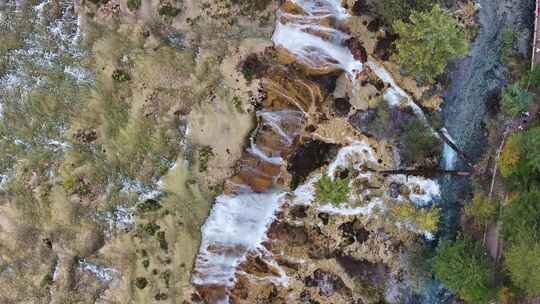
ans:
(277, 120)
(356, 154)
(298, 34)
(323, 8)
(104, 274)
(347, 210)
(427, 189)
(253, 149)
(394, 95)
(236, 225)
(314, 50)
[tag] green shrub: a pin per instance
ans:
(429, 42)
(332, 191)
(205, 153)
(509, 38)
(237, 103)
(141, 283)
(393, 10)
(531, 147)
(252, 67)
(251, 7)
(134, 5)
(522, 261)
(516, 99)
(520, 159)
(162, 241)
(521, 219)
(146, 264)
(418, 144)
(421, 218)
(148, 229)
(510, 155)
(482, 210)
(120, 76)
(463, 267)
(533, 79)
(169, 11)
(380, 125)
(149, 205)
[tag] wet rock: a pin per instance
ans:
(362, 120)
(375, 24)
(375, 274)
(298, 212)
(86, 135)
(328, 282)
(385, 46)
(360, 7)
(342, 107)
(325, 217)
(357, 49)
(383, 122)
(394, 190)
(311, 129)
(327, 82)
(309, 157)
(305, 296)
(377, 83)
(287, 233)
(212, 293)
(354, 232)
(309, 281)
(252, 67)
(342, 173)
(404, 190)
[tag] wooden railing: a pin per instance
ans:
(535, 42)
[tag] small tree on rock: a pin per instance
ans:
(429, 42)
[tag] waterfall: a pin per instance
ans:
(236, 225)
(449, 155)
(308, 30)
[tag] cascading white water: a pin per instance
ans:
(449, 155)
(238, 223)
(313, 44)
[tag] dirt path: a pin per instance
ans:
(494, 242)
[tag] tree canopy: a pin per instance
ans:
(393, 10)
(522, 261)
(429, 42)
(516, 99)
(521, 219)
(464, 267)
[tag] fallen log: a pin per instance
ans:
(460, 153)
(426, 172)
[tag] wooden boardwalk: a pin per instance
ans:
(536, 41)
